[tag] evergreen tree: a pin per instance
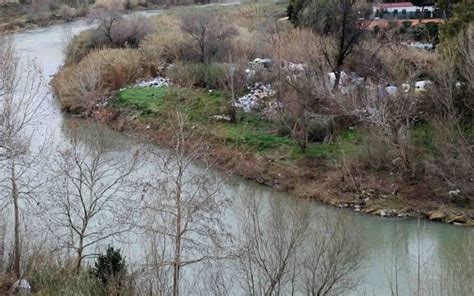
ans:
(110, 266)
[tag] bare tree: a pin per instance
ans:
(270, 241)
(106, 19)
(182, 210)
(339, 21)
(282, 253)
(395, 112)
(90, 181)
(3, 228)
(211, 33)
(302, 90)
(451, 107)
(21, 97)
(333, 254)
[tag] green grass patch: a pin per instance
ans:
(252, 132)
(199, 105)
(251, 137)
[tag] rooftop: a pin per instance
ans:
(396, 5)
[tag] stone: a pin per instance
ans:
(454, 192)
(436, 216)
(457, 219)
(220, 118)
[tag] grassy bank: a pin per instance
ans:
(250, 133)
(406, 164)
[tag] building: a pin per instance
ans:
(403, 10)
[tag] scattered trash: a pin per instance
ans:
(257, 93)
(454, 192)
(221, 118)
(21, 287)
(155, 82)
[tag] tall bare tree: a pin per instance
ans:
(182, 210)
(331, 257)
(339, 21)
(269, 246)
(21, 98)
(282, 253)
(2, 238)
(90, 182)
(211, 33)
(106, 19)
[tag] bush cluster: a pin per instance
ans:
(80, 87)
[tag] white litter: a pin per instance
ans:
(257, 93)
(155, 82)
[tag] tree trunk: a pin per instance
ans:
(337, 79)
(79, 259)
(177, 259)
(80, 250)
(2, 240)
(341, 51)
(16, 208)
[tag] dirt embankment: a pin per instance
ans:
(380, 194)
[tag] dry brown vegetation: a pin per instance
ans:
(81, 87)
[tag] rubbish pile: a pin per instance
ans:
(255, 98)
(155, 82)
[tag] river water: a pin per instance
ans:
(386, 239)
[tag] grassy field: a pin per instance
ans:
(251, 132)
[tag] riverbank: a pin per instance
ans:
(346, 161)
(14, 18)
(253, 150)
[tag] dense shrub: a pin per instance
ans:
(66, 13)
(201, 75)
(80, 87)
(211, 76)
(79, 47)
(374, 152)
(121, 33)
(49, 275)
(209, 36)
(167, 46)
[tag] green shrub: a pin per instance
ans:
(110, 269)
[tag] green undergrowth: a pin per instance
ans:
(198, 105)
(251, 132)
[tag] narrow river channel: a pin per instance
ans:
(386, 239)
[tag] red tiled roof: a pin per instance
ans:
(396, 5)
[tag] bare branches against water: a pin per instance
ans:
(21, 98)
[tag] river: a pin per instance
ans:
(386, 239)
